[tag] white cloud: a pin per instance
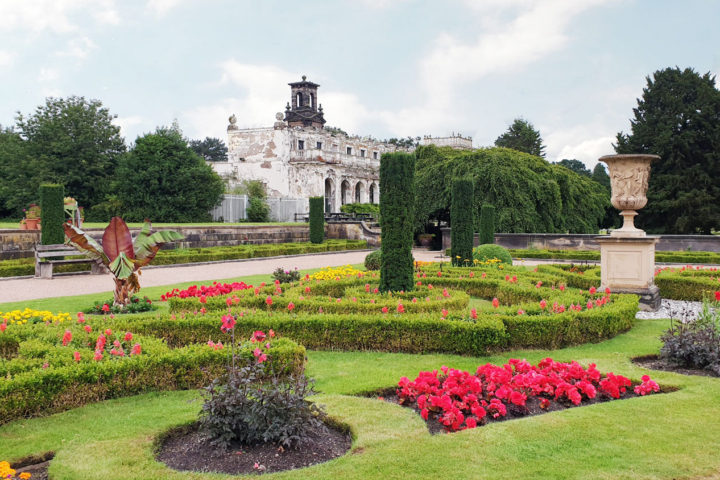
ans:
(47, 75)
(534, 30)
(379, 4)
(128, 125)
(161, 7)
(586, 143)
(6, 58)
(79, 47)
(53, 15)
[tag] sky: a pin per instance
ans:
(386, 68)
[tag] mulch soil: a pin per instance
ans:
(37, 466)
(654, 362)
(189, 449)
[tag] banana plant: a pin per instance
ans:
(119, 254)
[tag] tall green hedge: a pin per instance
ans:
(397, 194)
(462, 221)
(487, 224)
(317, 219)
(52, 213)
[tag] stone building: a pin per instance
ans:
(298, 158)
(455, 141)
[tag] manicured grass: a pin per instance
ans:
(657, 437)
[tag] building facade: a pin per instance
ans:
(298, 158)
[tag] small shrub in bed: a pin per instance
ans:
(694, 344)
(286, 276)
(257, 403)
(135, 305)
(373, 259)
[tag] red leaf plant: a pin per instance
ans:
(459, 400)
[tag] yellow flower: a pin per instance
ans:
(25, 475)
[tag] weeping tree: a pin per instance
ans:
(119, 254)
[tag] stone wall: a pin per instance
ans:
(560, 241)
(20, 243)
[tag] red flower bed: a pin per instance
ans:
(206, 290)
(458, 399)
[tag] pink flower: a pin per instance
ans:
(521, 311)
(81, 317)
(228, 322)
(67, 337)
(473, 313)
(98, 355)
(258, 336)
(444, 313)
(108, 332)
(592, 290)
(717, 296)
(495, 302)
(400, 308)
(3, 327)
(228, 301)
(290, 306)
(607, 292)
(136, 350)
(271, 333)
(76, 356)
(483, 275)
(384, 310)
(367, 287)
(543, 304)
(562, 287)
(128, 336)
(106, 308)
(268, 300)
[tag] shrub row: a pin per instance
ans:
(687, 283)
(40, 377)
(416, 333)
(660, 256)
(26, 266)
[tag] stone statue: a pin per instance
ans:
(233, 121)
(279, 123)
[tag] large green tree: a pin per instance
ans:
(162, 179)
(73, 142)
(211, 149)
(18, 184)
(678, 118)
(575, 165)
(523, 137)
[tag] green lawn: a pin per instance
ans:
(666, 436)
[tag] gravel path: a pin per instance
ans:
(677, 309)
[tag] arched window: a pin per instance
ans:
(344, 192)
(312, 101)
(329, 195)
(372, 193)
(359, 192)
(299, 99)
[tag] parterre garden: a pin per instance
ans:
(555, 340)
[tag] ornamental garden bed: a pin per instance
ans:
(451, 400)
(186, 448)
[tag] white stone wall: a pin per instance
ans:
(273, 156)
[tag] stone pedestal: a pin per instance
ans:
(628, 266)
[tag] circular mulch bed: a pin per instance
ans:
(36, 465)
(654, 362)
(186, 448)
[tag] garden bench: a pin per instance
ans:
(47, 256)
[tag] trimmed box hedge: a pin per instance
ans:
(27, 388)
(26, 266)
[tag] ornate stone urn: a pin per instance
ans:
(627, 256)
(629, 175)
